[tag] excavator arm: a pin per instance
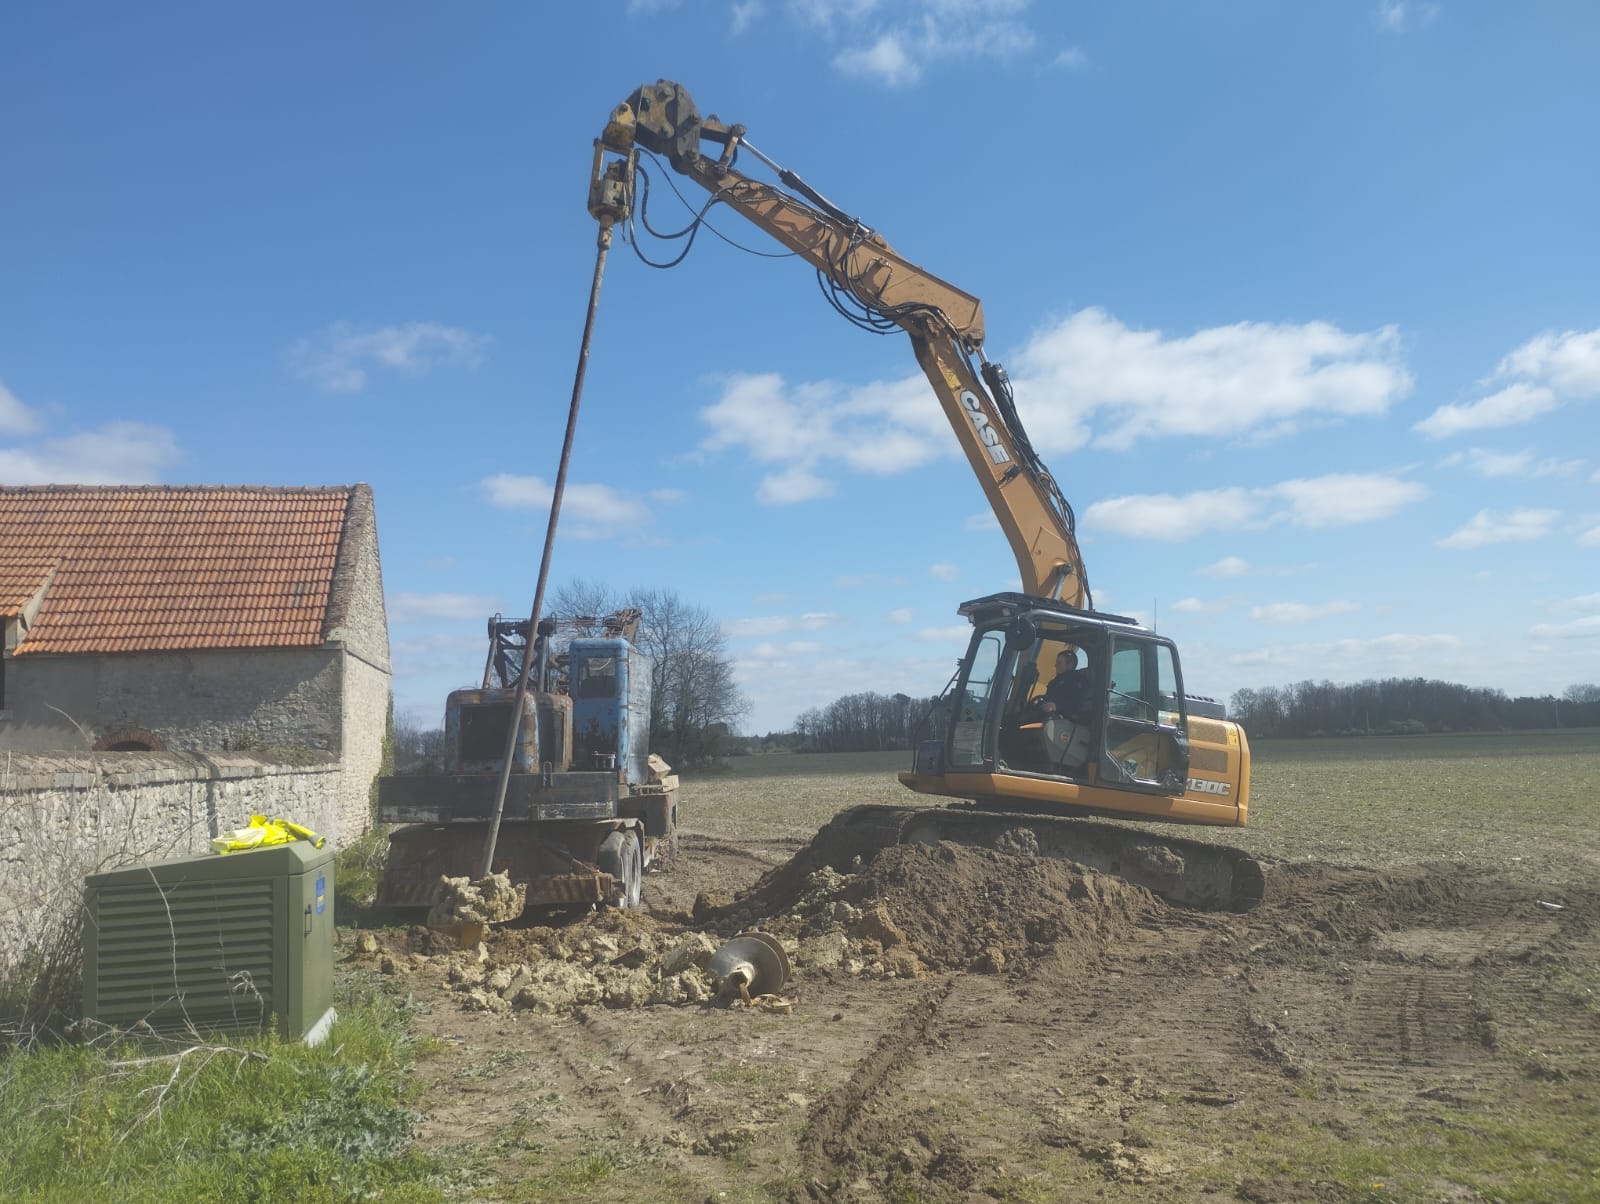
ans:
(944, 323)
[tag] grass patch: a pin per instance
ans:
(256, 1119)
(356, 870)
(1513, 1158)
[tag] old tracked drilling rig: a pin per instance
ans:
(1132, 744)
(587, 809)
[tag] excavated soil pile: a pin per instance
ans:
(904, 911)
(610, 959)
(916, 907)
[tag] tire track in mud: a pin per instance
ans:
(827, 1142)
(709, 844)
(634, 1098)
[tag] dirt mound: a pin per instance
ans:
(908, 910)
(916, 907)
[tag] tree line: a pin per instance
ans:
(1399, 705)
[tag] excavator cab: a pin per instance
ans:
(1084, 711)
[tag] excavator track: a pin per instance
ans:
(1189, 873)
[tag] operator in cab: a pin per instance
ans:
(1069, 693)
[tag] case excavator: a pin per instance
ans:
(1127, 741)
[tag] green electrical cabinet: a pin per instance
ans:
(230, 943)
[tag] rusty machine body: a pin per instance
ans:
(587, 809)
(1134, 745)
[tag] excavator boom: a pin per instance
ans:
(944, 322)
(1135, 746)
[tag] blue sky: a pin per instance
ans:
(1300, 302)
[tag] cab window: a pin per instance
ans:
(597, 677)
(972, 701)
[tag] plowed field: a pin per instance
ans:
(1413, 1014)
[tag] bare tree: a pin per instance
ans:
(695, 701)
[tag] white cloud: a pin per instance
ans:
(1086, 379)
(1486, 527)
(1582, 628)
(885, 60)
(1163, 516)
(945, 635)
(1228, 566)
(1342, 499)
(1191, 606)
(903, 614)
(744, 16)
(1336, 500)
(944, 571)
(766, 625)
(1106, 381)
(412, 607)
(1397, 16)
(854, 580)
(119, 453)
(1071, 59)
(984, 520)
(338, 359)
(1300, 612)
(595, 511)
(1396, 644)
(15, 418)
(1547, 371)
(769, 651)
(881, 428)
(1489, 463)
(1590, 537)
(667, 496)
(1514, 404)
(791, 486)
(892, 42)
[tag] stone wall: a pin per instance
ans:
(191, 701)
(65, 817)
(366, 723)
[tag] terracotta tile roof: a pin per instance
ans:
(21, 575)
(148, 568)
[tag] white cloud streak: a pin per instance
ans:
(1088, 378)
(1300, 612)
(1114, 385)
(596, 511)
(15, 418)
(1486, 527)
(1336, 500)
(341, 358)
(1547, 371)
(414, 607)
(1399, 16)
(119, 453)
(768, 625)
(1487, 462)
(894, 42)
(1228, 566)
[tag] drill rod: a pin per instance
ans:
(549, 545)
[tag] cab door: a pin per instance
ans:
(1145, 746)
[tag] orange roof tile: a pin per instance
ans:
(156, 567)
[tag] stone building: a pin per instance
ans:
(197, 619)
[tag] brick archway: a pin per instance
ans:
(129, 739)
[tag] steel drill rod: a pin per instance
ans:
(515, 726)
